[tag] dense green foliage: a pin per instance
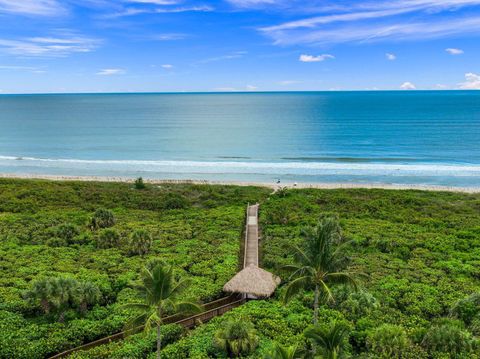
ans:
(81, 231)
(420, 251)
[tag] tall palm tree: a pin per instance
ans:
(161, 294)
(320, 263)
(331, 340)
(281, 352)
(236, 337)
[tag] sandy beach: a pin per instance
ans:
(274, 186)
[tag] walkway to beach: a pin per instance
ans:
(252, 281)
(251, 237)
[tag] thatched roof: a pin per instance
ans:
(253, 280)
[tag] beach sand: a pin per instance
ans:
(274, 186)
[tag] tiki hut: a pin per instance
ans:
(253, 280)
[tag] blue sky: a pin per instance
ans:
(238, 45)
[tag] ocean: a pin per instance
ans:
(411, 137)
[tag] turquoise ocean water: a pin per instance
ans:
(417, 137)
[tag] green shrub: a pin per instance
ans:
(64, 235)
(140, 242)
(108, 238)
(56, 242)
(448, 336)
(67, 231)
(60, 294)
(175, 201)
(139, 184)
(359, 304)
(236, 337)
(388, 341)
(466, 309)
(475, 325)
(102, 218)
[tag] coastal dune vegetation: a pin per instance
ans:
(405, 270)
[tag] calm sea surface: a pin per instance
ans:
(417, 137)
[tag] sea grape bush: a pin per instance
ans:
(108, 238)
(388, 341)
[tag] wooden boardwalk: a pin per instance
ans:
(251, 237)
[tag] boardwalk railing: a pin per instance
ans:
(212, 310)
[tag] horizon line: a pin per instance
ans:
(224, 92)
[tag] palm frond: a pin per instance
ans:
(343, 278)
(180, 287)
(188, 308)
(137, 306)
(325, 289)
(136, 322)
(300, 255)
(294, 287)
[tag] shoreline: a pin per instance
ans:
(274, 186)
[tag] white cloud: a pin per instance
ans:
(472, 82)
(154, 2)
(32, 7)
(236, 89)
(159, 10)
(408, 86)
(110, 72)
(200, 8)
(225, 89)
(167, 66)
(231, 56)
(48, 46)
(169, 36)
(454, 51)
(391, 57)
(311, 58)
(20, 68)
(288, 82)
(252, 3)
(369, 21)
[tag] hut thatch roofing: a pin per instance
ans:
(253, 280)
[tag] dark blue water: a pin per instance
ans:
(417, 137)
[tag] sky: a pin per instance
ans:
(238, 45)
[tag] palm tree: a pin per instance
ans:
(66, 295)
(140, 242)
(236, 337)
(160, 292)
(281, 352)
(331, 340)
(320, 263)
(88, 294)
(44, 291)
